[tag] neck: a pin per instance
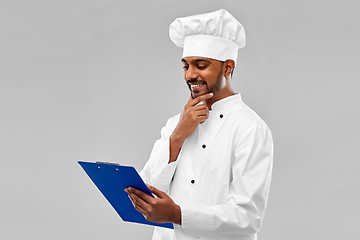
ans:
(226, 92)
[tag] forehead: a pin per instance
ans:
(192, 60)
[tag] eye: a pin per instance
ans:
(185, 67)
(201, 67)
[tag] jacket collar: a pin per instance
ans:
(227, 103)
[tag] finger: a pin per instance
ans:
(157, 192)
(202, 113)
(200, 107)
(137, 207)
(141, 194)
(139, 201)
(202, 119)
(132, 200)
(200, 98)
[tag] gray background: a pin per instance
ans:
(96, 80)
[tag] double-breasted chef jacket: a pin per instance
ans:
(221, 177)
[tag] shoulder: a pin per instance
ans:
(249, 129)
(245, 119)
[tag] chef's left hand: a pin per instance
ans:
(160, 210)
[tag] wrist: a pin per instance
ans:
(176, 215)
(177, 138)
(176, 142)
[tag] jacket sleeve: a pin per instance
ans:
(157, 171)
(242, 213)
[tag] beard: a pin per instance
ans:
(219, 83)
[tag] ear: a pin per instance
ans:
(228, 67)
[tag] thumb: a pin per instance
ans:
(157, 192)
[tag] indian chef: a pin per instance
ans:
(211, 168)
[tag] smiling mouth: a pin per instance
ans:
(196, 87)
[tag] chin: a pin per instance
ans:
(197, 94)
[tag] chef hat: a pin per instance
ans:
(217, 35)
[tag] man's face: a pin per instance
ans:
(203, 75)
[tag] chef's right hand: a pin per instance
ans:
(191, 117)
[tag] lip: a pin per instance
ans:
(196, 86)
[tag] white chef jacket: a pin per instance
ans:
(221, 177)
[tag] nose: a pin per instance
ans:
(191, 74)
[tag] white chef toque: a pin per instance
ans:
(217, 35)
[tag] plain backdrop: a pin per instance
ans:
(96, 80)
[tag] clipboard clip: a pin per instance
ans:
(107, 163)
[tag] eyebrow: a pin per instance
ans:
(196, 60)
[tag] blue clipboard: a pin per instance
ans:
(111, 180)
